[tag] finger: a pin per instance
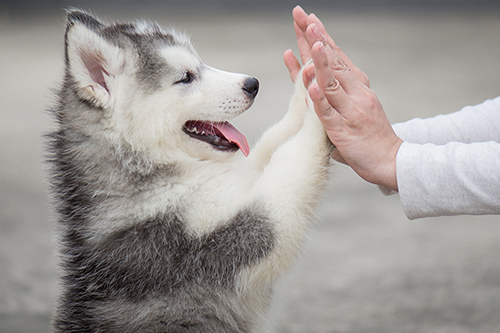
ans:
(308, 75)
(292, 64)
(328, 82)
(341, 71)
(300, 26)
(330, 118)
(300, 17)
(302, 43)
(313, 19)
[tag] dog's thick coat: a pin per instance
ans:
(163, 225)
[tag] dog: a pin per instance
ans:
(166, 222)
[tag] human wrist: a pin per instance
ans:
(390, 180)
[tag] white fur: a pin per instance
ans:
(285, 172)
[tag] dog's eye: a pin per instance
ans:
(188, 77)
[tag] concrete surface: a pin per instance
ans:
(366, 267)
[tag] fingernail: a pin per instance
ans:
(315, 30)
(314, 86)
(310, 72)
(321, 48)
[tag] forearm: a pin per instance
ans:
(479, 123)
(451, 179)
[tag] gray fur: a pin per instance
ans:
(184, 282)
(156, 233)
(145, 42)
(177, 281)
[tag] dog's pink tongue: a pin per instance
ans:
(233, 135)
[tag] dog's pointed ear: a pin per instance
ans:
(93, 62)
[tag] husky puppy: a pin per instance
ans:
(163, 224)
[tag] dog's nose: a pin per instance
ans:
(251, 86)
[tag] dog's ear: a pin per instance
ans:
(92, 61)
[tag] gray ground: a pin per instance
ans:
(366, 267)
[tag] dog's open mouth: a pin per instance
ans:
(221, 135)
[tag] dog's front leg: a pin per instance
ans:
(290, 186)
(282, 131)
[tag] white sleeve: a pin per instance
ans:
(479, 123)
(450, 164)
(451, 179)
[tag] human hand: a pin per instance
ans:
(301, 21)
(351, 113)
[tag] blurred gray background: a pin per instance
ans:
(366, 268)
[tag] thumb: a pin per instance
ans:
(292, 64)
